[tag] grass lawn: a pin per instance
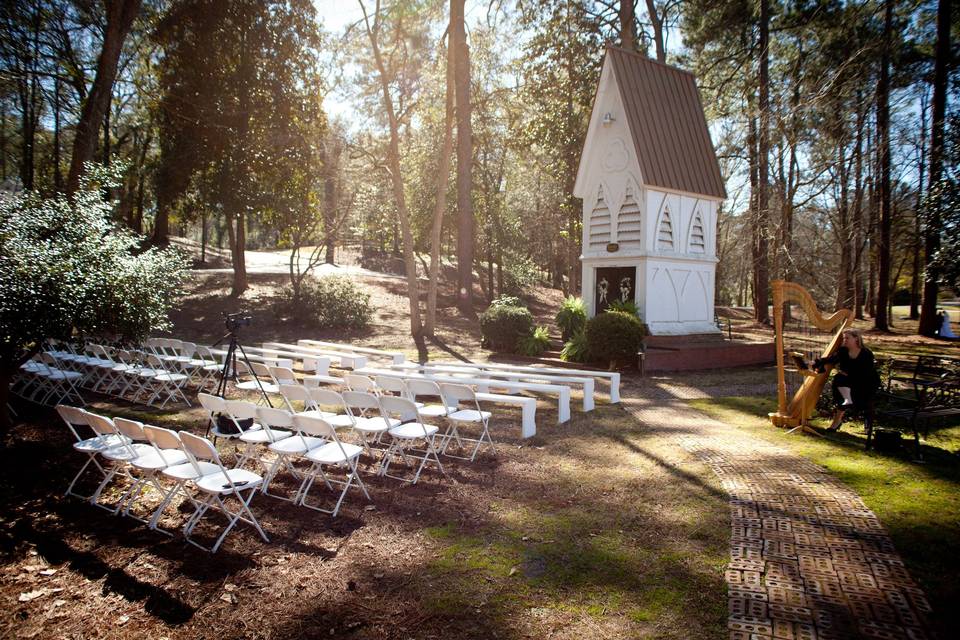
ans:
(919, 504)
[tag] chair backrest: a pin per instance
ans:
(162, 438)
(199, 448)
(402, 408)
(454, 394)
(315, 426)
(261, 370)
(101, 425)
(360, 400)
(187, 349)
(49, 360)
(73, 417)
(357, 382)
(296, 393)
(418, 387)
(276, 418)
(283, 375)
(204, 353)
(130, 428)
(212, 403)
(241, 409)
(392, 384)
(155, 362)
(327, 398)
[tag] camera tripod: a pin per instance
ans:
(230, 365)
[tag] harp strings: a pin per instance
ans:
(801, 337)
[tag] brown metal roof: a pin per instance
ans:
(666, 120)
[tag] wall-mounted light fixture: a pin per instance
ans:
(607, 119)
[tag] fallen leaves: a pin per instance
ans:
(27, 596)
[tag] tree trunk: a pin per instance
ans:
(5, 419)
(763, 152)
(845, 275)
(57, 170)
(465, 237)
(120, 17)
(883, 138)
(928, 311)
(917, 228)
(396, 180)
(628, 26)
(443, 175)
(858, 235)
(657, 30)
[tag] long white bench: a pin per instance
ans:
(528, 406)
(612, 376)
(436, 369)
(483, 385)
(396, 356)
(270, 361)
(348, 360)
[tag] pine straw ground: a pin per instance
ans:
(598, 528)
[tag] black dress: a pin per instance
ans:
(860, 374)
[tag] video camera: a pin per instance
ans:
(234, 321)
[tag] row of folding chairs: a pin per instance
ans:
(43, 380)
(175, 464)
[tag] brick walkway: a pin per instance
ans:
(808, 559)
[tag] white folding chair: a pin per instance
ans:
(468, 412)
(217, 406)
(404, 436)
(146, 466)
(369, 422)
(75, 419)
(216, 487)
(287, 449)
(166, 383)
(63, 382)
(333, 453)
(419, 388)
(392, 385)
(204, 366)
(357, 382)
(165, 440)
(252, 438)
(118, 457)
(322, 399)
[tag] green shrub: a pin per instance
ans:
(507, 301)
(615, 337)
(330, 302)
(535, 344)
(572, 317)
(576, 348)
(501, 326)
(625, 306)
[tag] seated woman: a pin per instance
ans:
(856, 380)
(945, 330)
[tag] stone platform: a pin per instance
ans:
(709, 351)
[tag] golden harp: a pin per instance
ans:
(801, 406)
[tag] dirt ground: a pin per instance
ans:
(596, 528)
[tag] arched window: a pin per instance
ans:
(698, 242)
(628, 221)
(600, 223)
(665, 232)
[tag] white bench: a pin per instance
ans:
(396, 356)
(270, 361)
(528, 406)
(483, 385)
(347, 360)
(612, 376)
(436, 369)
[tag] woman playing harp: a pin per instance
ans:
(856, 380)
(808, 322)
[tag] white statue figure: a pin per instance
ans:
(602, 290)
(624, 289)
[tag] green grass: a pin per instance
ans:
(918, 504)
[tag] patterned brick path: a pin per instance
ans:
(808, 559)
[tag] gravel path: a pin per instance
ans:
(808, 559)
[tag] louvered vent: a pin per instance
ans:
(697, 242)
(628, 222)
(600, 223)
(665, 233)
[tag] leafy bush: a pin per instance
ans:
(625, 306)
(576, 348)
(330, 302)
(507, 301)
(572, 317)
(501, 326)
(535, 344)
(615, 337)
